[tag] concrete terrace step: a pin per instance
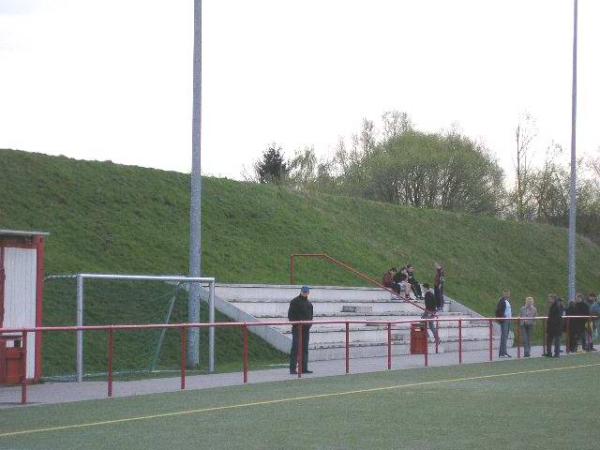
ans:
(385, 315)
(248, 292)
(280, 309)
(271, 303)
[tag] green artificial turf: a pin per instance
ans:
(533, 404)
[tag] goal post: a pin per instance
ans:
(207, 295)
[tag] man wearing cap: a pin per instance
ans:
(300, 309)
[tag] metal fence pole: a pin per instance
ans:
(426, 343)
(568, 349)
(211, 330)
(437, 336)
(80, 299)
(245, 355)
(545, 336)
(518, 338)
(491, 338)
(24, 377)
(389, 345)
(111, 345)
(183, 356)
(347, 347)
(300, 354)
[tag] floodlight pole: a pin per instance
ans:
(573, 201)
(193, 349)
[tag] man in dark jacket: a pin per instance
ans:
(503, 313)
(300, 309)
(569, 326)
(554, 325)
(430, 311)
(581, 309)
(438, 286)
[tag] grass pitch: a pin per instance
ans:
(538, 403)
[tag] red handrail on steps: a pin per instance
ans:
(346, 267)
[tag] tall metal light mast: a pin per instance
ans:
(193, 348)
(573, 202)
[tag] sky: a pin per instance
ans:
(112, 79)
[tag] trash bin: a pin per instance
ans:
(12, 360)
(418, 339)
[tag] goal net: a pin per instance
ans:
(114, 301)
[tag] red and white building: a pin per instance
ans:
(21, 297)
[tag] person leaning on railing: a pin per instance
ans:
(527, 312)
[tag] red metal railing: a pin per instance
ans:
(347, 268)
(244, 326)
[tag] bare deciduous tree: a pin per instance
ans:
(524, 135)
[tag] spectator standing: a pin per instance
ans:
(554, 325)
(504, 314)
(595, 311)
(581, 309)
(300, 309)
(438, 286)
(430, 311)
(592, 325)
(570, 326)
(527, 323)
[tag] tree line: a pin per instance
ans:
(448, 171)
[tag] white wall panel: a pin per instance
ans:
(20, 265)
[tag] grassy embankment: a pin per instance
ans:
(105, 217)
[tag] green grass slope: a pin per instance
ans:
(105, 217)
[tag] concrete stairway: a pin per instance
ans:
(270, 303)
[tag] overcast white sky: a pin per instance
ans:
(112, 79)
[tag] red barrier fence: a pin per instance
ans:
(244, 326)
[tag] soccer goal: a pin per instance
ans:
(113, 299)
